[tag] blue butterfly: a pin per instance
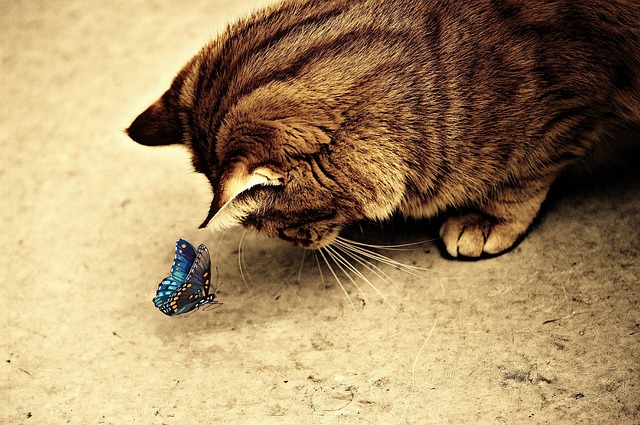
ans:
(187, 287)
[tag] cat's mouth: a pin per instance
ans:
(310, 238)
(306, 233)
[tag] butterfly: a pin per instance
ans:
(187, 287)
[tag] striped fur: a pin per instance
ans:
(359, 109)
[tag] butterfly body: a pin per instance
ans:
(187, 286)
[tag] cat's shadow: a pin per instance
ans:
(275, 279)
(616, 173)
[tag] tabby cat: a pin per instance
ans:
(313, 114)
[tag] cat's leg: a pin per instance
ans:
(499, 223)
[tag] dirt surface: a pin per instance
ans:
(548, 333)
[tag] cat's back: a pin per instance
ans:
(292, 27)
(327, 58)
(337, 41)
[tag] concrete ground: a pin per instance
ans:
(548, 333)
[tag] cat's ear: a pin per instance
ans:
(158, 125)
(236, 200)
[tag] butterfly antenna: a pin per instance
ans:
(218, 283)
(212, 305)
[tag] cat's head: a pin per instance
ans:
(280, 158)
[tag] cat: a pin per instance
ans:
(314, 114)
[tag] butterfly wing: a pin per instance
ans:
(166, 288)
(185, 256)
(193, 292)
(183, 260)
(200, 277)
(200, 273)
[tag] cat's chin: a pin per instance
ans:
(319, 242)
(325, 242)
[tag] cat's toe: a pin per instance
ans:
(465, 235)
(471, 235)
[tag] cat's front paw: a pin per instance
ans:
(471, 235)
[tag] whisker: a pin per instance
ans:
(362, 253)
(368, 265)
(398, 247)
(316, 260)
(338, 256)
(371, 254)
(241, 263)
(220, 239)
(381, 258)
(304, 252)
(341, 263)
(337, 279)
(413, 372)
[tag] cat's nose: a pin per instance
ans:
(213, 210)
